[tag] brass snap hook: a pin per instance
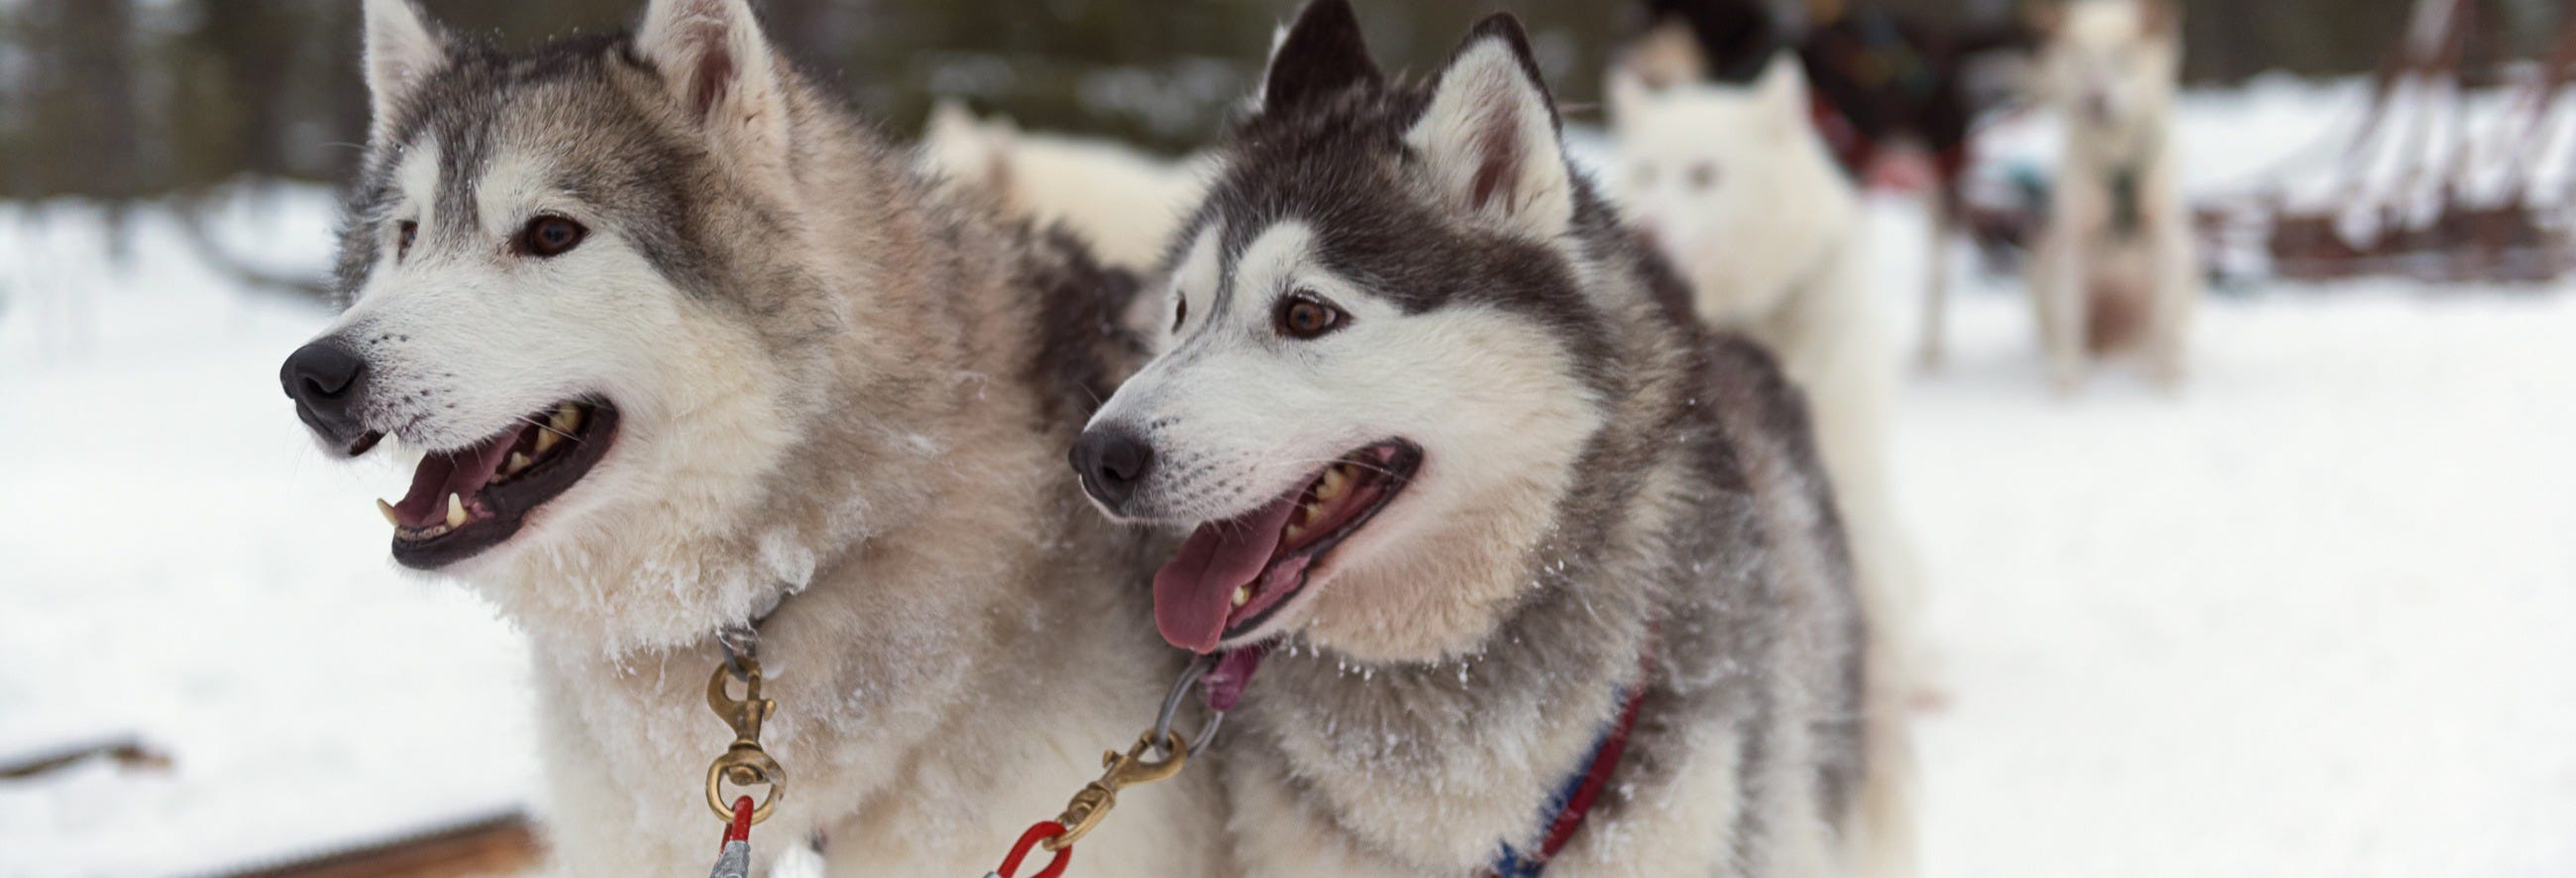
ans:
(744, 764)
(1127, 769)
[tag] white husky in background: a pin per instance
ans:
(1126, 203)
(1737, 189)
(2116, 269)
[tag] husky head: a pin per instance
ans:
(1372, 388)
(1732, 183)
(566, 291)
(2112, 64)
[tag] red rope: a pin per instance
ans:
(740, 828)
(1029, 841)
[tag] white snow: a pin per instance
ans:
(178, 561)
(2308, 616)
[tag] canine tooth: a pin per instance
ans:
(546, 440)
(1242, 595)
(517, 462)
(1334, 481)
(455, 510)
(388, 510)
(567, 417)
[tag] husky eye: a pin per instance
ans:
(549, 235)
(1302, 315)
(1180, 313)
(405, 232)
(1703, 176)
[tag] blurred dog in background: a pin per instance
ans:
(1736, 187)
(1126, 203)
(1894, 98)
(2116, 269)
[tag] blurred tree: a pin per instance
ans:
(118, 98)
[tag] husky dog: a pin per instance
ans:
(685, 348)
(1125, 202)
(1518, 526)
(1895, 94)
(2116, 269)
(1737, 189)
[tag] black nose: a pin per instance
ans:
(1112, 462)
(327, 380)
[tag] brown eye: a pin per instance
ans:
(405, 233)
(548, 236)
(1703, 175)
(1303, 316)
(1181, 313)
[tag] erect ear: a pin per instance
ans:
(2044, 17)
(1629, 94)
(1667, 56)
(403, 49)
(722, 72)
(1489, 138)
(1322, 55)
(2159, 18)
(1784, 91)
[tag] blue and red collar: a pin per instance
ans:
(1575, 798)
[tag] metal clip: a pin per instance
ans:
(1124, 770)
(743, 764)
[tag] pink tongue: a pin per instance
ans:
(1195, 592)
(456, 472)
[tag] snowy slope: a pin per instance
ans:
(2306, 617)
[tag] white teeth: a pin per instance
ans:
(546, 439)
(517, 462)
(1335, 481)
(567, 418)
(455, 510)
(1242, 595)
(388, 510)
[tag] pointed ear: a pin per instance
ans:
(403, 49)
(1668, 56)
(722, 72)
(1629, 94)
(2159, 18)
(1489, 138)
(2044, 17)
(1321, 55)
(1784, 89)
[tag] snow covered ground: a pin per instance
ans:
(2306, 617)
(177, 561)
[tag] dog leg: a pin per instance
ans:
(2176, 294)
(1936, 300)
(2057, 295)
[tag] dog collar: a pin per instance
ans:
(1574, 798)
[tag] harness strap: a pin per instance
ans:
(1575, 799)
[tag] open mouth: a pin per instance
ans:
(1233, 575)
(465, 501)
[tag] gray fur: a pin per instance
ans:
(1697, 553)
(953, 637)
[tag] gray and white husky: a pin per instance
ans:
(1518, 527)
(684, 347)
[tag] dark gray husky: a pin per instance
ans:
(1550, 573)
